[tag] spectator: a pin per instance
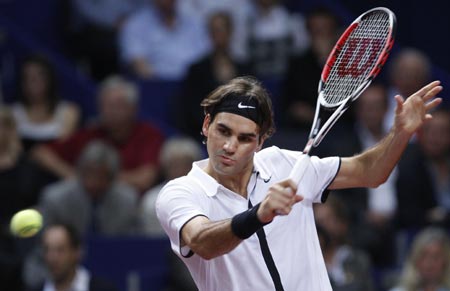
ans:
(62, 253)
(20, 182)
(372, 209)
(274, 34)
(40, 113)
(160, 41)
(410, 69)
(137, 142)
(348, 268)
(177, 156)
(428, 265)
(423, 183)
(238, 11)
(94, 201)
(299, 89)
(214, 69)
(93, 31)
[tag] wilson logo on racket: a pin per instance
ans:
(360, 60)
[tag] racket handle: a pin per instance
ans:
(299, 169)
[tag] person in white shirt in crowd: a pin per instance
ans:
(160, 41)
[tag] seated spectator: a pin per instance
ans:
(62, 254)
(409, 71)
(423, 184)
(348, 268)
(371, 209)
(94, 201)
(204, 76)
(299, 89)
(428, 265)
(177, 156)
(40, 112)
(273, 36)
(20, 183)
(160, 41)
(138, 143)
(238, 11)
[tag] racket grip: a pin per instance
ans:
(299, 169)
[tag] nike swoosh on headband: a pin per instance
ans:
(245, 106)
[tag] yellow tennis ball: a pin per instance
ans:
(26, 223)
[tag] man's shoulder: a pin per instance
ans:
(60, 188)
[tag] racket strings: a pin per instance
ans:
(357, 58)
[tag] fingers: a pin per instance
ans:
(432, 93)
(424, 90)
(433, 104)
(399, 99)
(284, 198)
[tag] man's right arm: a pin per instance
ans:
(48, 159)
(209, 239)
(212, 239)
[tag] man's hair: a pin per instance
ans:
(73, 235)
(244, 86)
(113, 82)
(101, 153)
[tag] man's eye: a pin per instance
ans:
(223, 131)
(245, 139)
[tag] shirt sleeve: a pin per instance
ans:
(175, 206)
(318, 176)
(132, 40)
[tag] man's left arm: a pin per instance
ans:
(372, 167)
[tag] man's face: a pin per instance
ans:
(115, 109)
(435, 136)
(96, 179)
(59, 255)
(371, 108)
(232, 141)
(431, 262)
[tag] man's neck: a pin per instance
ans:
(236, 183)
(63, 284)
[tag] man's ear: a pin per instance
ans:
(206, 123)
(261, 143)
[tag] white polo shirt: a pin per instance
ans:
(292, 239)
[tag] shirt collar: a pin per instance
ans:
(210, 185)
(79, 283)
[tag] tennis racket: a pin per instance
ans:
(354, 62)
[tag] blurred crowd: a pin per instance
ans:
(100, 177)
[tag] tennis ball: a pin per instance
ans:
(26, 223)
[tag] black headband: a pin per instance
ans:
(245, 106)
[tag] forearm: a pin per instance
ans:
(50, 161)
(372, 167)
(211, 239)
(378, 162)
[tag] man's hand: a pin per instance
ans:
(412, 113)
(279, 201)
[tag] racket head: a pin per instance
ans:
(357, 57)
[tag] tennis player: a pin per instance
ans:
(237, 222)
